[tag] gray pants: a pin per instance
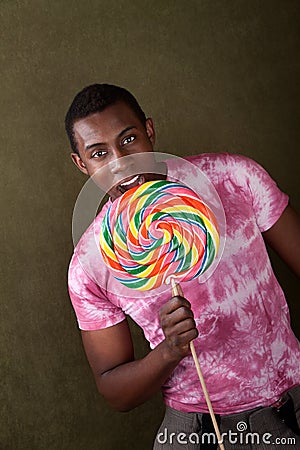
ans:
(259, 428)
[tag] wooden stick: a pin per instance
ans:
(177, 290)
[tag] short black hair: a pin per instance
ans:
(95, 98)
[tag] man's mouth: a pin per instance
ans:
(130, 183)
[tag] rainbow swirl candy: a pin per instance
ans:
(156, 231)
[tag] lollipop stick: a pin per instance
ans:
(176, 290)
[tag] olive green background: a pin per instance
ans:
(214, 75)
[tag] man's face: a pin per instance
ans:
(116, 149)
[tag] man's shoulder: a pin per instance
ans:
(216, 166)
(86, 257)
(225, 165)
(92, 231)
(219, 159)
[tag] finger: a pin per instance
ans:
(176, 317)
(180, 342)
(175, 303)
(180, 329)
(186, 337)
(185, 326)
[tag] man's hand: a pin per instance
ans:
(179, 327)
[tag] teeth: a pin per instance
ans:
(132, 180)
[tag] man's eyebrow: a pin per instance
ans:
(88, 147)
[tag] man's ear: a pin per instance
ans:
(150, 130)
(79, 163)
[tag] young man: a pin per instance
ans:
(249, 354)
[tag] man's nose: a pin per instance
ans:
(120, 163)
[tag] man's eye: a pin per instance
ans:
(98, 154)
(128, 139)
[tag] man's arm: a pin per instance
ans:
(126, 383)
(284, 238)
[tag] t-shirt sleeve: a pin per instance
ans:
(92, 308)
(268, 200)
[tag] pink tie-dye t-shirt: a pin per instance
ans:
(247, 350)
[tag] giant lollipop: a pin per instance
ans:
(159, 232)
